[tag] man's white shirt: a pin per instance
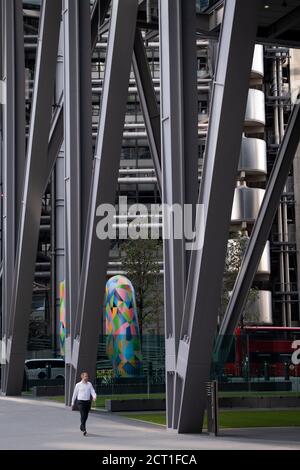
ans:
(83, 391)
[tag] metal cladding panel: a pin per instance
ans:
(259, 310)
(255, 111)
(246, 204)
(258, 62)
(253, 156)
(264, 266)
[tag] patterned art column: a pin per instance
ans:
(122, 328)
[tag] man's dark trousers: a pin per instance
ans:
(84, 408)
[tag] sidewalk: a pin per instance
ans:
(44, 425)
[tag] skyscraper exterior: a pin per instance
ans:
(183, 102)
(271, 86)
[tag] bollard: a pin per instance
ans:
(212, 408)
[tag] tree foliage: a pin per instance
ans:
(140, 262)
(235, 251)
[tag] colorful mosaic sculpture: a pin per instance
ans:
(62, 319)
(122, 328)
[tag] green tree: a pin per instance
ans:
(140, 262)
(236, 247)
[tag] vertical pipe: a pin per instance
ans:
(275, 92)
(294, 83)
(53, 266)
(57, 219)
(59, 242)
(59, 234)
(284, 208)
(281, 265)
(148, 7)
(279, 213)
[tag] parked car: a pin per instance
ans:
(50, 369)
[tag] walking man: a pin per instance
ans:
(84, 393)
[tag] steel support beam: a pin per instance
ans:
(33, 192)
(216, 195)
(180, 164)
(99, 12)
(190, 105)
(57, 127)
(78, 151)
(173, 182)
(56, 138)
(148, 102)
(190, 140)
(289, 21)
(55, 142)
(261, 230)
(13, 147)
(104, 182)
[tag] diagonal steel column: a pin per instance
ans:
(55, 138)
(19, 106)
(261, 230)
(190, 139)
(173, 181)
(104, 181)
(13, 146)
(148, 102)
(180, 163)
(190, 105)
(33, 192)
(78, 149)
(220, 166)
(85, 104)
(57, 126)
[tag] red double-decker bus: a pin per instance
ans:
(260, 351)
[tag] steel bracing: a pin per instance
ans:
(260, 232)
(13, 73)
(29, 222)
(60, 136)
(103, 188)
(77, 148)
(206, 266)
(179, 164)
(148, 102)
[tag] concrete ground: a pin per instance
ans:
(44, 425)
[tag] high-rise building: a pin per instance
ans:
(272, 87)
(135, 105)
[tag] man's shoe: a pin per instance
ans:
(81, 428)
(84, 433)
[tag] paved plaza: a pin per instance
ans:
(43, 425)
